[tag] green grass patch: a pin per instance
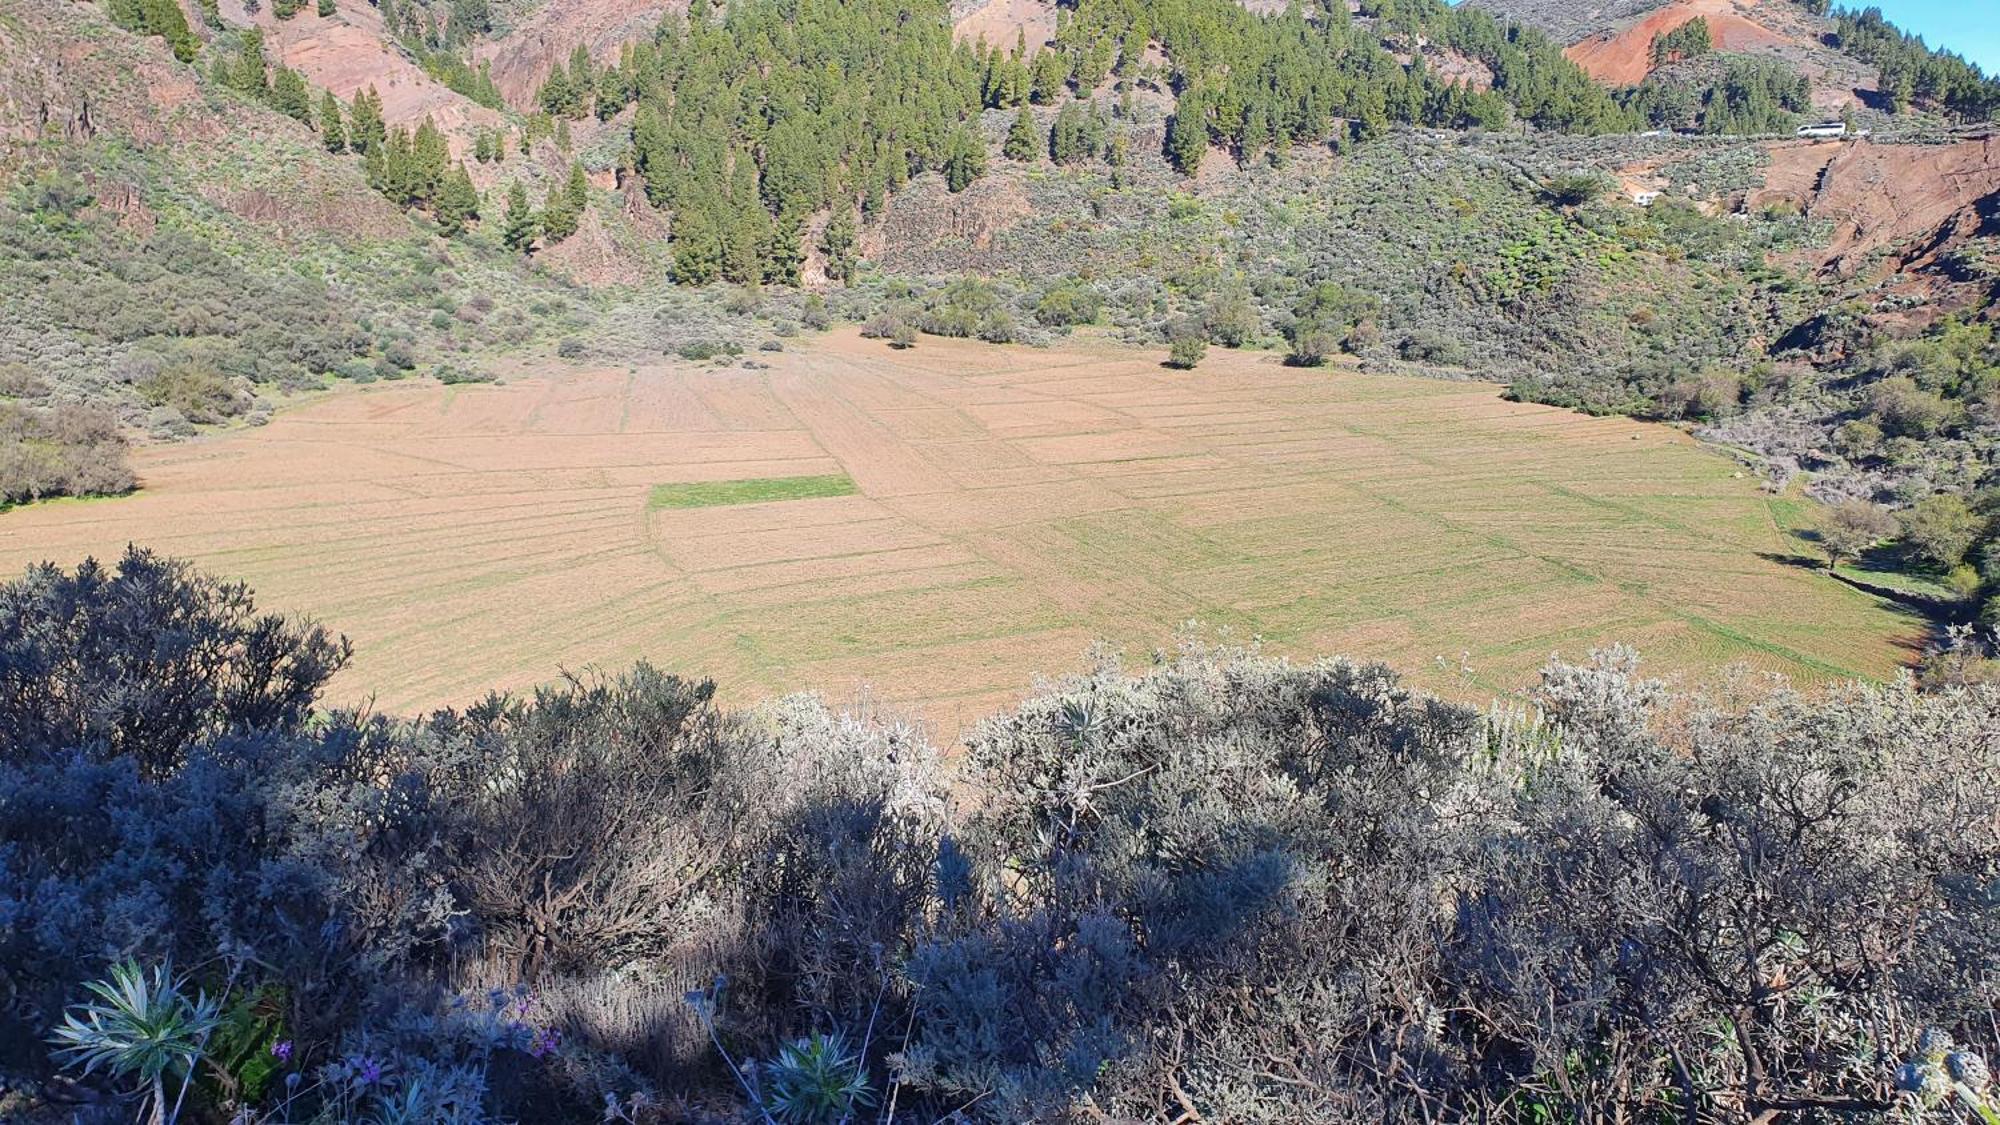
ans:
(1888, 575)
(757, 490)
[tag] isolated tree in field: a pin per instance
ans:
(1024, 139)
(1940, 529)
(457, 203)
(519, 226)
(1851, 527)
(332, 131)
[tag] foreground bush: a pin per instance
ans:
(1229, 888)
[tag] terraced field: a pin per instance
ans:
(1009, 508)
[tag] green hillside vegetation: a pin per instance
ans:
(1913, 74)
(752, 121)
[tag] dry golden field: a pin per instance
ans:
(1009, 507)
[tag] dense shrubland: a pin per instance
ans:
(1226, 888)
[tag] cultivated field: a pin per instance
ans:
(1008, 507)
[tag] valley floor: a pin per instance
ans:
(1010, 507)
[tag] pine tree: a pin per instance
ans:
(965, 159)
(332, 133)
(697, 248)
(518, 227)
(577, 188)
(1024, 140)
(1187, 133)
(429, 154)
(560, 216)
(326, 9)
(366, 133)
(250, 74)
(290, 97)
(836, 245)
(457, 203)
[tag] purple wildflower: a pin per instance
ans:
(282, 1050)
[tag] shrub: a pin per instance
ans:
(201, 394)
(1939, 529)
(1230, 886)
(570, 348)
(451, 374)
(145, 659)
(1068, 304)
(62, 451)
(1186, 351)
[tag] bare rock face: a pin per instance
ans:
(68, 75)
(57, 85)
(525, 56)
(1913, 202)
(1002, 23)
(351, 51)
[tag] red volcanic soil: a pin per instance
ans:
(1624, 58)
(1002, 23)
(351, 51)
(1917, 202)
(523, 59)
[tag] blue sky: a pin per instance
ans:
(1970, 27)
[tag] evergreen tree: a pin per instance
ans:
(326, 9)
(837, 243)
(965, 159)
(251, 74)
(559, 218)
(1047, 77)
(518, 227)
(577, 187)
(332, 133)
(1187, 133)
(697, 248)
(163, 18)
(429, 155)
(366, 133)
(1024, 140)
(289, 95)
(457, 203)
